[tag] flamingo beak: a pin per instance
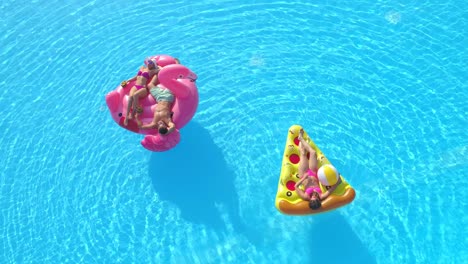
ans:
(192, 76)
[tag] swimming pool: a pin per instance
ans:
(379, 86)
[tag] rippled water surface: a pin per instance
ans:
(381, 88)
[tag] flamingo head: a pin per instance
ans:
(176, 71)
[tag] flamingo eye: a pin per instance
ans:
(181, 76)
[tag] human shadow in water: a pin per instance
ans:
(337, 242)
(195, 177)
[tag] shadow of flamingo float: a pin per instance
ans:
(175, 77)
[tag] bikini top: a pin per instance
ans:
(144, 74)
(310, 190)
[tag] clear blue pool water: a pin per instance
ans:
(381, 87)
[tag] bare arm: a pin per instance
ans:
(170, 127)
(124, 83)
(147, 126)
(331, 190)
(132, 79)
(300, 181)
(302, 194)
(154, 80)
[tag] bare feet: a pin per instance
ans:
(301, 137)
(128, 117)
(301, 134)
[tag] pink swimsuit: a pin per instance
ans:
(143, 74)
(310, 190)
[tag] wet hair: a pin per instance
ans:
(315, 204)
(162, 130)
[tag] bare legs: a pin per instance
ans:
(303, 161)
(134, 97)
(304, 148)
(137, 96)
(129, 105)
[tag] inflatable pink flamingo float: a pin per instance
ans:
(175, 77)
